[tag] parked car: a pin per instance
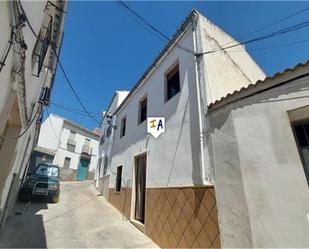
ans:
(44, 181)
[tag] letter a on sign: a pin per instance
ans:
(155, 126)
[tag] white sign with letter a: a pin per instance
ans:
(156, 126)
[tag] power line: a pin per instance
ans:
(149, 27)
(267, 36)
(10, 43)
(83, 114)
(271, 24)
(12, 139)
(71, 86)
(274, 46)
(27, 20)
(72, 109)
(59, 62)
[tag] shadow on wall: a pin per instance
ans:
(25, 228)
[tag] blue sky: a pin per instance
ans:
(104, 50)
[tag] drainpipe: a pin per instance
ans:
(198, 82)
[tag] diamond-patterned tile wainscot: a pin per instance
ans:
(182, 217)
(121, 200)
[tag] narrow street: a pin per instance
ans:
(80, 219)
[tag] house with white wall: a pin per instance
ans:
(106, 142)
(166, 186)
(258, 138)
(27, 71)
(70, 146)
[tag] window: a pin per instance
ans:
(105, 161)
(102, 139)
(47, 170)
(142, 110)
(118, 178)
(172, 83)
(86, 147)
(72, 135)
(302, 137)
(71, 142)
(109, 131)
(123, 127)
(42, 45)
(67, 162)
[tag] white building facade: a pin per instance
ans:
(68, 145)
(27, 70)
(166, 186)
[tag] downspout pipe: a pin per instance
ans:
(204, 180)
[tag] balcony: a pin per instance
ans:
(86, 149)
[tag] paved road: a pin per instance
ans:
(80, 219)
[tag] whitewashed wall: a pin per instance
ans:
(227, 70)
(80, 136)
(10, 87)
(169, 160)
(261, 188)
(50, 132)
(54, 135)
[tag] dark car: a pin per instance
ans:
(44, 181)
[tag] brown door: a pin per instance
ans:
(140, 187)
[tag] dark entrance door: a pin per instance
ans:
(140, 187)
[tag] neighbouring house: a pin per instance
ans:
(106, 140)
(259, 143)
(68, 145)
(166, 186)
(27, 71)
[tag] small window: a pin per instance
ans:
(105, 161)
(102, 139)
(172, 83)
(142, 110)
(67, 162)
(123, 127)
(109, 131)
(302, 137)
(119, 178)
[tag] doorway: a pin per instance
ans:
(140, 187)
(82, 171)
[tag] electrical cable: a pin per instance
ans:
(269, 47)
(72, 109)
(60, 64)
(71, 86)
(266, 36)
(161, 36)
(10, 43)
(12, 139)
(271, 24)
(27, 20)
(73, 112)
